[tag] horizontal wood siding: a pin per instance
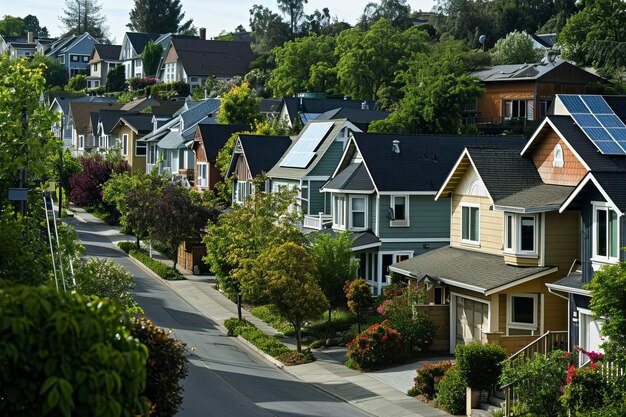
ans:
(490, 225)
(543, 155)
(490, 104)
(427, 218)
(329, 161)
(562, 239)
(317, 199)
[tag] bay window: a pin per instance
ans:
(520, 234)
(339, 212)
(358, 212)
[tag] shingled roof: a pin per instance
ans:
(262, 152)
(108, 52)
(214, 137)
(203, 58)
(80, 113)
(139, 40)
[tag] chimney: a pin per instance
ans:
(29, 37)
(396, 146)
(203, 34)
(365, 106)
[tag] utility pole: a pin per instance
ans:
(23, 172)
(61, 168)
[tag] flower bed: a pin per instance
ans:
(156, 266)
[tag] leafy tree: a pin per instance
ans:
(294, 9)
(176, 217)
(268, 29)
(54, 72)
(396, 11)
(239, 106)
(436, 87)
(116, 79)
(516, 48)
(104, 278)
(96, 170)
(165, 367)
(317, 22)
(335, 265)
(31, 24)
(158, 16)
(11, 26)
(77, 83)
(359, 296)
(82, 16)
(287, 276)
(304, 64)
(151, 56)
(91, 364)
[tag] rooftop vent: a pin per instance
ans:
(365, 106)
(396, 146)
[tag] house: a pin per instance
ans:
(80, 122)
(309, 163)
(361, 118)
(585, 138)
(252, 156)
(102, 59)
(302, 109)
(192, 60)
(522, 94)
(73, 52)
(18, 46)
(129, 129)
(207, 142)
(106, 137)
(131, 50)
(169, 143)
(61, 106)
(382, 192)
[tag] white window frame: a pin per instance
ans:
(203, 174)
(243, 190)
(510, 324)
(516, 238)
(339, 216)
(529, 109)
(603, 206)
(392, 204)
(124, 145)
(350, 212)
(557, 157)
(81, 142)
(470, 206)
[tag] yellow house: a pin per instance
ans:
(507, 240)
(130, 128)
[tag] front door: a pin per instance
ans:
(471, 320)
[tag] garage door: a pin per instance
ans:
(471, 320)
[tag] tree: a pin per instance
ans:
(294, 9)
(287, 276)
(151, 56)
(77, 83)
(165, 367)
(436, 87)
(359, 296)
(91, 360)
(516, 48)
(97, 169)
(31, 24)
(82, 16)
(268, 29)
(116, 79)
(335, 265)
(158, 16)
(104, 278)
(53, 71)
(396, 11)
(11, 26)
(239, 106)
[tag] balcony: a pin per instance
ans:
(318, 222)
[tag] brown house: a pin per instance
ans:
(207, 142)
(80, 120)
(523, 94)
(130, 128)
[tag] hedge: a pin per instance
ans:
(126, 246)
(156, 266)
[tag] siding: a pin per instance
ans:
(490, 227)
(427, 218)
(316, 202)
(490, 104)
(329, 161)
(562, 239)
(572, 171)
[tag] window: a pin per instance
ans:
(125, 145)
(522, 314)
(81, 142)
(519, 109)
(243, 189)
(74, 58)
(152, 154)
(339, 212)
(520, 234)
(471, 104)
(85, 58)
(62, 59)
(399, 211)
(170, 72)
(470, 224)
(605, 233)
(358, 213)
(140, 148)
(557, 157)
(203, 179)
(94, 68)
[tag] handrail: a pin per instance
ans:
(543, 339)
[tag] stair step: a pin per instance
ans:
(490, 408)
(480, 413)
(496, 401)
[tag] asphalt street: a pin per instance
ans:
(225, 378)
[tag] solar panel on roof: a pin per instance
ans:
(609, 147)
(597, 104)
(303, 150)
(297, 159)
(574, 104)
(618, 133)
(585, 120)
(610, 120)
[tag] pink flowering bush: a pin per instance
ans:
(378, 346)
(426, 378)
(585, 388)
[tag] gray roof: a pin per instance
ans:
(201, 57)
(64, 102)
(108, 52)
(172, 140)
(478, 271)
(353, 178)
(358, 239)
(262, 152)
(545, 39)
(526, 72)
(360, 117)
(543, 196)
(139, 40)
(572, 282)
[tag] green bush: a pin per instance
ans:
(165, 367)
(451, 391)
(126, 246)
(140, 83)
(232, 323)
(156, 266)
(426, 378)
(317, 344)
(586, 389)
(480, 364)
(106, 279)
(77, 83)
(167, 91)
(378, 346)
(268, 314)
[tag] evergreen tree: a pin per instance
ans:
(159, 16)
(82, 16)
(295, 10)
(31, 24)
(151, 56)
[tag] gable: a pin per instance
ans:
(171, 57)
(471, 184)
(542, 154)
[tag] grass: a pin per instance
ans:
(156, 266)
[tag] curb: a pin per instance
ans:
(269, 358)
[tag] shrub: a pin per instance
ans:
(165, 367)
(451, 391)
(268, 314)
(232, 323)
(586, 389)
(140, 83)
(359, 296)
(317, 344)
(167, 91)
(426, 378)
(77, 83)
(156, 266)
(480, 364)
(379, 345)
(106, 279)
(295, 358)
(86, 186)
(126, 246)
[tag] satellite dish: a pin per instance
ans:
(482, 39)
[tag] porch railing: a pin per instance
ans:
(317, 222)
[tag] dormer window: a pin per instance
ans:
(520, 234)
(557, 157)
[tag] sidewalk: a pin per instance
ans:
(367, 391)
